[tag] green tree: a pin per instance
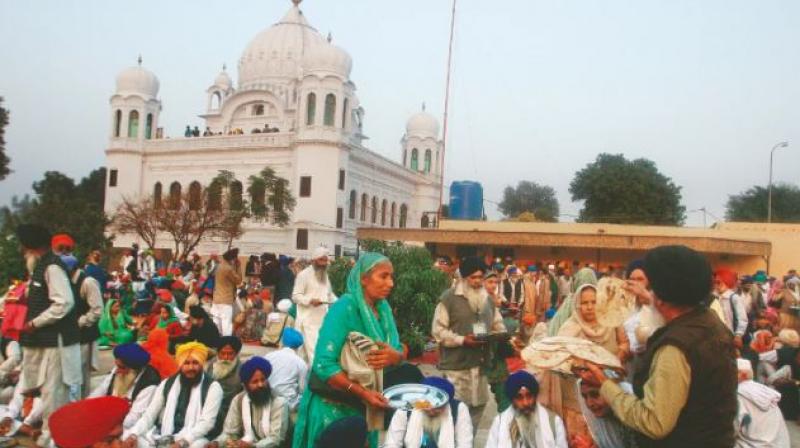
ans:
(416, 292)
(751, 205)
(530, 197)
(4, 160)
(620, 191)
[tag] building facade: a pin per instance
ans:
(294, 109)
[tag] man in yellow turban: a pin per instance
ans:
(184, 407)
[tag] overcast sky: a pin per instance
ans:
(703, 88)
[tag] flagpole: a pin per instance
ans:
(446, 110)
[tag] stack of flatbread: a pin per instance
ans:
(614, 304)
(561, 353)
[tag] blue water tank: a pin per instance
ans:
(466, 200)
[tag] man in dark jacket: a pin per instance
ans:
(685, 386)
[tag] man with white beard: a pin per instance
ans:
(759, 422)
(50, 337)
(526, 423)
(464, 314)
(446, 426)
(312, 294)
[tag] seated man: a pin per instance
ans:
(289, 370)
(759, 422)
(256, 416)
(184, 407)
(132, 378)
(607, 431)
(525, 423)
(225, 371)
(94, 422)
(448, 425)
(23, 415)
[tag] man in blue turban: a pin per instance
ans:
(289, 375)
(526, 422)
(256, 416)
(132, 378)
(447, 425)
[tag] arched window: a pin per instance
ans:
(195, 196)
(344, 113)
(216, 100)
(117, 122)
(133, 124)
(258, 198)
(405, 156)
(175, 195)
(330, 109)
(148, 127)
(415, 159)
(235, 195)
(364, 201)
(157, 195)
(383, 212)
(374, 211)
(258, 109)
(394, 212)
(403, 215)
(215, 196)
(424, 222)
(311, 108)
(353, 199)
(427, 160)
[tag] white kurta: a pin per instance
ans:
(309, 318)
(759, 422)
(14, 411)
(199, 420)
(55, 370)
(288, 377)
(405, 431)
(500, 434)
(138, 406)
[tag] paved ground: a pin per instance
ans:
(106, 362)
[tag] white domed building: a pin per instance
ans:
(294, 109)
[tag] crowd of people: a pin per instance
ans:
(709, 358)
(195, 132)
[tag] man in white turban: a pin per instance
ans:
(759, 421)
(312, 294)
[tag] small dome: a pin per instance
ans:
(422, 124)
(328, 58)
(223, 80)
(137, 80)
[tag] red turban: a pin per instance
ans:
(62, 240)
(727, 277)
(165, 295)
(86, 422)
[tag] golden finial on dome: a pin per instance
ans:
(423, 106)
(139, 60)
(224, 66)
(297, 2)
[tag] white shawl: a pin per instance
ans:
(414, 429)
(193, 411)
(500, 436)
(247, 420)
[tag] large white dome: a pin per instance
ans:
(137, 80)
(422, 124)
(281, 51)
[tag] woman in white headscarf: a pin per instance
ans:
(584, 324)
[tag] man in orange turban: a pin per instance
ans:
(184, 407)
(733, 310)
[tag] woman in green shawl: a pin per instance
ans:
(362, 309)
(114, 325)
(585, 276)
(166, 316)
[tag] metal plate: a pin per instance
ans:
(404, 396)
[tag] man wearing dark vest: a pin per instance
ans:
(89, 306)
(685, 386)
(463, 315)
(184, 407)
(51, 356)
(132, 378)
